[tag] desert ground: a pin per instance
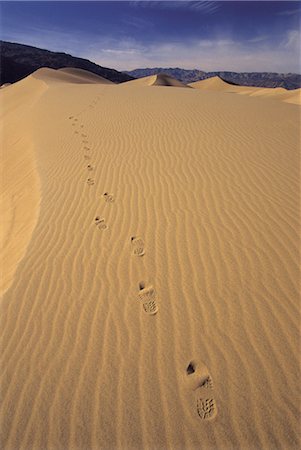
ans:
(150, 252)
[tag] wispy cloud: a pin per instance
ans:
(207, 54)
(137, 22)
(205, 7)
(289, 12)
(221, 48)
(42, 37)
(258, 39)
(219, 53)
(292, 41)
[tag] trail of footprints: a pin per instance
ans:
(199, 378)
(146, 295)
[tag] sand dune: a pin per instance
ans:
(85, 75)
(69, 75)
(151, 251)
(267, 91)
(293, 96)
(212, 84)
(156, 80)
(217, 84)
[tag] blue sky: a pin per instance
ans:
(206, 35)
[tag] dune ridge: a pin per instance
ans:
(69, 75)
(217, 84)
(160, 79)
(182, 197)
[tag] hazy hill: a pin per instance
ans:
(260, 79)
(18, 61)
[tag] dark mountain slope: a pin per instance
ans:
(18, 61)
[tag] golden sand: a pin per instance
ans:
(150, 272)
(217, 84)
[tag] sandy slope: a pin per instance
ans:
(217, 84)
(20, 183)
(212, 84)
(178, 202)
(157, 80)
(69, 75)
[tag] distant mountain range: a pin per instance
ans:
(18, 60)
(260, 79)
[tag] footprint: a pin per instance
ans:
(148, 298)
(89, 167)
(87, 156)
(138, 246)
(85, 142)
(201, 382)
(108, 197)
(87, 148)
(90, 181)
(206, 408)
(100, 223)
(75, 132)
(198, 375)
(84, 135)
(71, 117)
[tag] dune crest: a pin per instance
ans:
(156, 80)
(69, 75)
(213, 83)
